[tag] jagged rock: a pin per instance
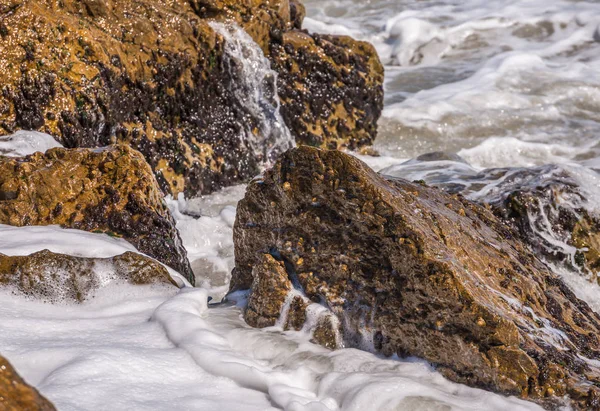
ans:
(272, 298)
(420, 273)
(331, 89)
(553, 219)
(271, 285)
(59, 277)
(16, 394)
(548, 205)
(154, 75)
(110, 190)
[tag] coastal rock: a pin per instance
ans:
(110, 190)
(552, 207)
(553, 218)
(16, 394)
(413, 271)
(274, 299)
(330, 87)
(157, 76)
(58, 277)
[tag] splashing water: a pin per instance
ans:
(255, 86)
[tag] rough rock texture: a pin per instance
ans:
(58, 277)
(154, 75)
(272, 298)
(331, 89)
(550, 206)
(111, 190)
(424, 273)
(553, 219)
(270, 280)
(16, 394)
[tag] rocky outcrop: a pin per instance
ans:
(156, 75)
(16, 394)
(331, 89)
(553, 218)
(58, 277)
(110, 190)
(417, 272)
(550, 206)
(274, 300)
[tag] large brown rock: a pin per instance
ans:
(331, 89)
(420, 273)
(154, 75)
(552, 207)
(58, 277)
(16, 394)
(110, 190)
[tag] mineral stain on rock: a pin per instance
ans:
(420, 272)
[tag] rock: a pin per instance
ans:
(273, 298)
(110, 190)
(271, 285)
(263, 20)
(58, 277)
(549, 205)
(16, 394)
(156, 76)
(554, 218)
(330, 87)
(418, 272)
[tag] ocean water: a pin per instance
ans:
(512, 84)
(501, 82)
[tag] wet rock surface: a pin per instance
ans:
(331, 89)
(57, 277)
(16, 394)
(413, 271)
(274, 300)
(553, 218)
(110, 190)
(155, 75)
(549, 206)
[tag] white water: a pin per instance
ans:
(23, 143)
(256, 89)
(500, 82)
(518, 79)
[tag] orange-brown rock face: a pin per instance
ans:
(110, 190)
(331, 89)
(16, 394)
(58, 277)
(424, 273)
(155, 75)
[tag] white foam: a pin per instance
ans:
(31, 239)
(24, 142)
(255, 86)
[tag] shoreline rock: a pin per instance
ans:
(110, 190)
(55, 277)
(16, 394)
(154, 75)
(421, 273)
